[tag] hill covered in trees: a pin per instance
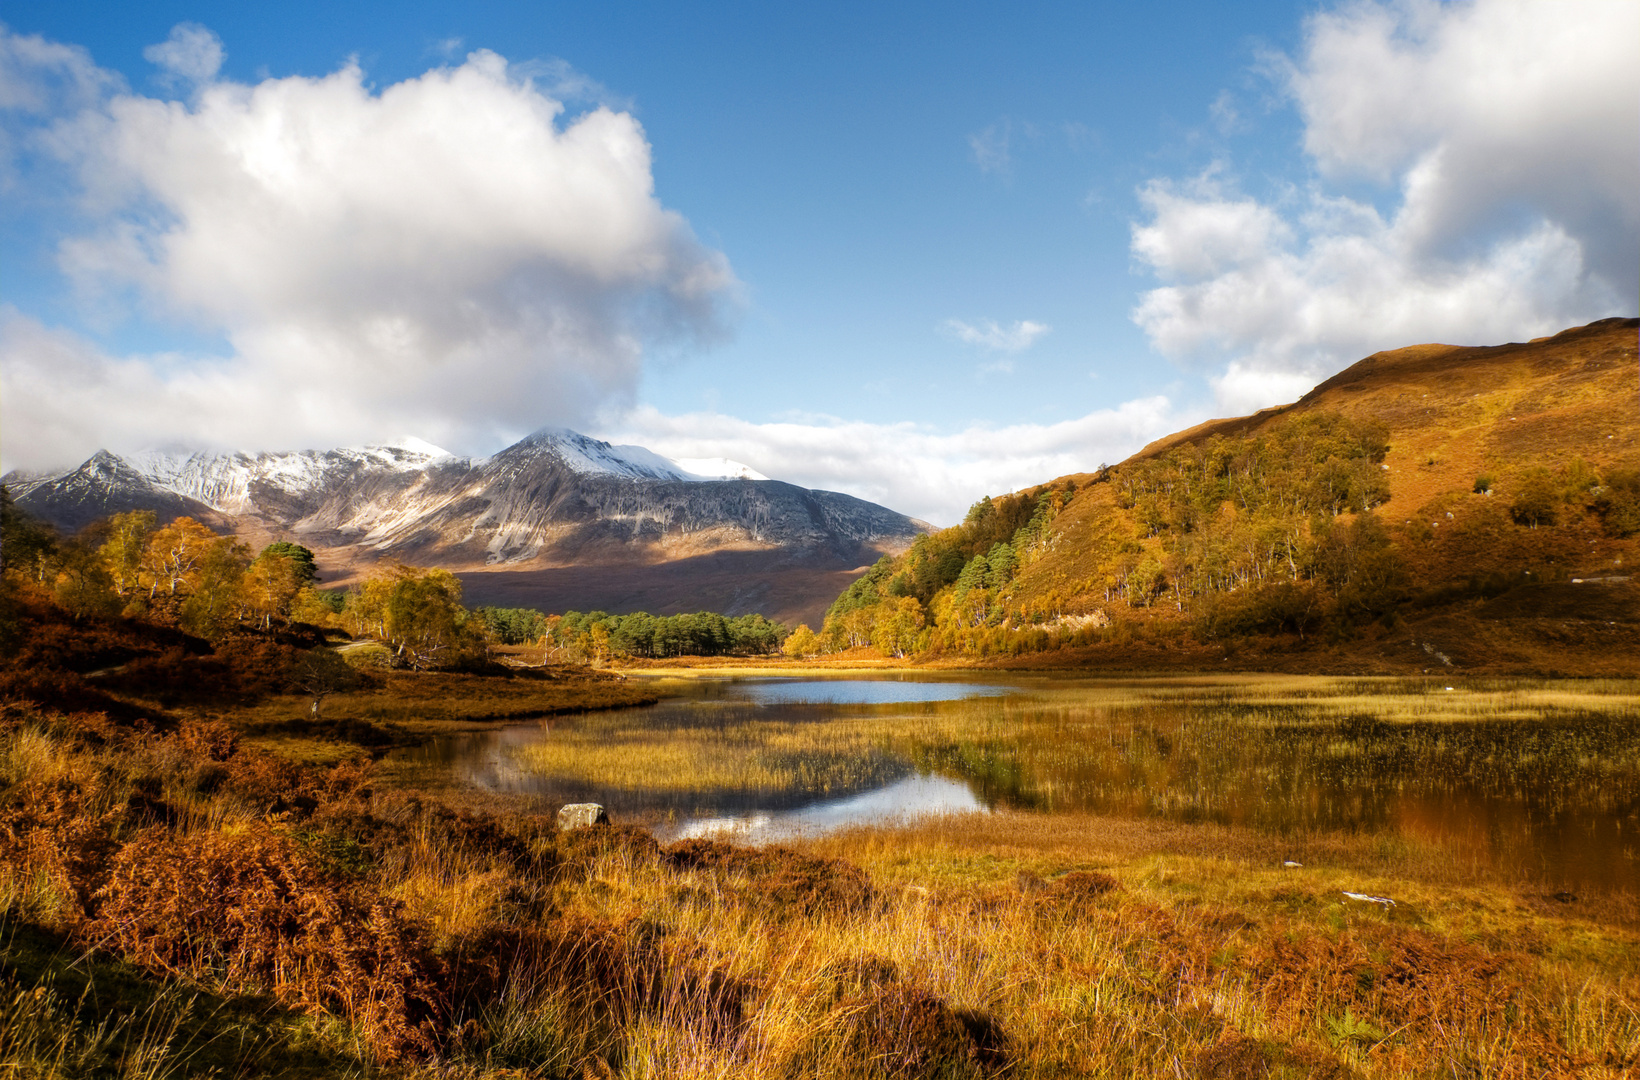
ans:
(1429, 507)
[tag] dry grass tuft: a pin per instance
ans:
(903, 1032)
(780, 876)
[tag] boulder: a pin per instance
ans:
(580, 815)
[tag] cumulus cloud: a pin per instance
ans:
(929, 474)
(192, 53)
(1501, 139)
(40, 77)
(450, 255)
(990, 334)
(65, 397)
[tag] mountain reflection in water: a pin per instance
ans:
(1535, 777)
(903, 800)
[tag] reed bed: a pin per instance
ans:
(1516, 771)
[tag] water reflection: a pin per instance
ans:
(903, 800)
(859, 691)
(1539, 781)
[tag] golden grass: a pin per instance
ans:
(1158, 973)
(1294, 754)
(1008, 943)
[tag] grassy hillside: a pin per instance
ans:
(1432, 506)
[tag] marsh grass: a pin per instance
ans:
(1182, 957)
(1016, 943)
(64, 1013)
(1538, 777)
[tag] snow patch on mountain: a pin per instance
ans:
(589, 456)
(716, 468)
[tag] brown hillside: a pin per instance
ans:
(1454, 410)
(1382, 522)
(1453, 415)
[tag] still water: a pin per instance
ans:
(1537, 778)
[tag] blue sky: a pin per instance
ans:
(920, 253)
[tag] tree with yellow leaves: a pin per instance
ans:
(801, 643)
(172, 559)
(898, 625)
(215, 596)
(122, 553)
(416, 611)
(270, 586)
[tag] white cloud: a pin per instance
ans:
(192, 53)
(929, 474)
(1224, 114)
(449, 255)
(990, 334)
(39, 77)
(991, 148)
(1506, 135)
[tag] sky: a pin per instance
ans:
(919, 253)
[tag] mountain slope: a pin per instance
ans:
(1433, 496)
(555, 500)
(105, 484)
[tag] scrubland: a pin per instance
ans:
(180, 901)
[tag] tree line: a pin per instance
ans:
(181, 573)
(600, 635)
(184, 574)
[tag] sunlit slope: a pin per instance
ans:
(1455, 412)
(1421, 483)
(1453, 415)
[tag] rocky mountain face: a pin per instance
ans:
(554, 501)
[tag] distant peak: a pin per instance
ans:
(718, 468)
(587, 455)
(421, 446)
(415, 446)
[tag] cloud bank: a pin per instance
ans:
(1473, 181)
(450, 255)
(928, 474)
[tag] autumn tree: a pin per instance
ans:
(801, 643)
(215, 597)
(173, 556)
(898, 624)
(123, 551)
(1537, 498)
(271, 584)
(318, 607)
(422, 615)
(366, 612)
(598, 642)
(1617, 501)
(27, 544)
(82, 585)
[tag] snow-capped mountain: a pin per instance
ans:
(590, 456)
(555, 497)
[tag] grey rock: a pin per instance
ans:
(580, 815)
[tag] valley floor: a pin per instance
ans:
(198, 903)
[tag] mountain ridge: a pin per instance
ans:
(552, 500)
